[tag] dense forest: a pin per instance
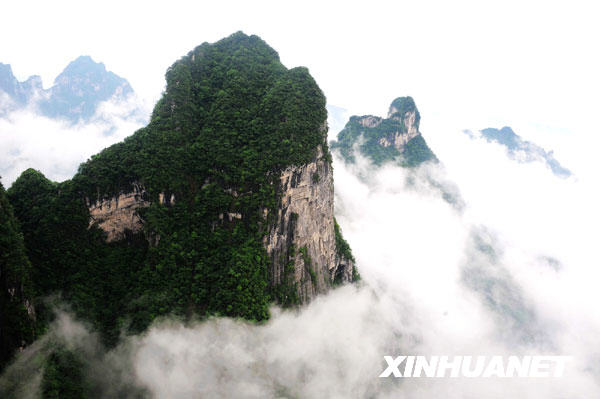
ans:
(17, 321)
(231, 117)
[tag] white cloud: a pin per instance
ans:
(55, 147)
(437, 281)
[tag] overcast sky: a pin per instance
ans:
(470, 64)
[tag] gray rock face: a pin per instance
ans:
(305, 227)
(303, 234)
(118, 214)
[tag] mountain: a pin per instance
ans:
(16, 93)
(395, 138)
(75, 95)
(522, 150)
(221, 206)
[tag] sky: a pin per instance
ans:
(528, 64)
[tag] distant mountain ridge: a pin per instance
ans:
(75, 95)
(523, 150)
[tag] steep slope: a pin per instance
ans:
(221, 205)
(523, 150)
(75, 95)
(395, 138)
(17, 315)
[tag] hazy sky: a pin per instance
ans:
(469, 63)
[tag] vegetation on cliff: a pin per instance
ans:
(17, 325)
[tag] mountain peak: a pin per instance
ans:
(8, 82)
(395, 138)
(80, 87)
(401, 106)
(6, 70)
(75, 95)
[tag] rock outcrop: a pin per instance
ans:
(119, 214)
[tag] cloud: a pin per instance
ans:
(513, 272)
(55, 147)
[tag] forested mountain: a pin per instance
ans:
(75, 95)
(221, 206)
(395, 138)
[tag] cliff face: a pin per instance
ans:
(301, 244)
(119, 214)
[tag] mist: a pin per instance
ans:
(57, 147)
(512, 272)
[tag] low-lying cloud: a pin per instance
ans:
(513, 272)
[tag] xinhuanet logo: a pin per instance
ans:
(475, 366)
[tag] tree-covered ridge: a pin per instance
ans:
(231, 119)
(374, 137)
(17, 322)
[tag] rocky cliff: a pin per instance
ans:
(302, 243)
